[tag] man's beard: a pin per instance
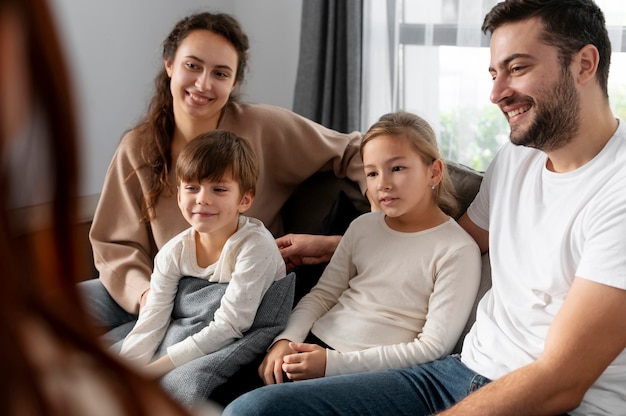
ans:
(556, 119)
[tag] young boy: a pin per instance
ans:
(217, 173)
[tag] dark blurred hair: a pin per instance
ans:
(157, 128)
(216, 153)
(38, 270)
(420, 135)
(568, 25)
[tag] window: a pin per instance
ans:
(430, 57)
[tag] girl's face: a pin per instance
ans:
(399, 181)
(213, 207)
(202, 77)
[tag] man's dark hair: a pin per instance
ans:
(568, 25)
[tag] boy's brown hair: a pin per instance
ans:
(214, 154)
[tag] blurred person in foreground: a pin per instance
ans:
(52, 363)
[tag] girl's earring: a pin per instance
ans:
(432, 187)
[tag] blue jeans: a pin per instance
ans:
(104, 311)
(420, 390)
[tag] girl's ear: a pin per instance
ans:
(436, 171)
(246, 201)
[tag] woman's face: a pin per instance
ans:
(202, 75)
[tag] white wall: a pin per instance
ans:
(113, 48)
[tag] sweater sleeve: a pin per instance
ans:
(334, 150)
(290, 149)
(323, 296)
(122, 244)
(147, 334)
(449, 307)
(252, 264)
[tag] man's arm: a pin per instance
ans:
(587, 334)
(307, 249)
(480, 236)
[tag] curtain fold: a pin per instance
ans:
(328, 82)
(379, 84)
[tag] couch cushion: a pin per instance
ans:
(485, 285)
(466, 183)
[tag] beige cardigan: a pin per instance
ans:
(290, 148)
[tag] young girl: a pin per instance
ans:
(217, 175)
(205, 58)
(401, 285)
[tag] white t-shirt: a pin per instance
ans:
(250, 262)
(390, 299)
(545, 228)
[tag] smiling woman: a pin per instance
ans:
(204, 61)
(203, 76)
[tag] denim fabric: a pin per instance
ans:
(419, 390)
(105, 312)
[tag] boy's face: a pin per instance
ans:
(213, 206)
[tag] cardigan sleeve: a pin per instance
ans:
(123, 247)
(296, 144)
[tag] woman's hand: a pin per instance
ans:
(271, 369)
(309, 361)
(307, 249)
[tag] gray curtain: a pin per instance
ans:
(328, 83)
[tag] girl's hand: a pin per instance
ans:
(308, 362)
(271, 370)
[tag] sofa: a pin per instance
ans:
(323, 204)
(326, 205)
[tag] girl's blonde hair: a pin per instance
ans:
(421, 137)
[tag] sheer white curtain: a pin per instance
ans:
(431, 58)
(421, 56)
(378, 75)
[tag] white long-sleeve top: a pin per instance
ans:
(390, 299)
(250, 262)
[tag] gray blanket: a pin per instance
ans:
(196, 302)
